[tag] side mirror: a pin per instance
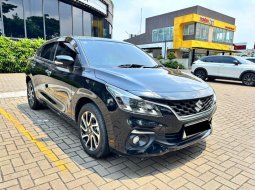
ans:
(236, 62)
(64, 60)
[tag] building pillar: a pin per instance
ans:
(193, 55)
(163, 52)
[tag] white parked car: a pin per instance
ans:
(252, 59)
(225, 67)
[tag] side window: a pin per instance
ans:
(218, 59)
(65, 48)
(204, 59)
(210, 59)
(229, 60)
(47, 51)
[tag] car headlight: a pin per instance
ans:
(132, 103)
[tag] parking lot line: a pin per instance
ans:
(30, 136)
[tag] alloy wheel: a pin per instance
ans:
(31, 94)
(249, 79)
(201, 74)
(90, 132)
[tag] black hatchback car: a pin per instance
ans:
(118, 97)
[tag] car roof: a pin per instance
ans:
(221, 56)
(249, 58)
(86, 38)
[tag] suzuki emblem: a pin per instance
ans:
(199, 106)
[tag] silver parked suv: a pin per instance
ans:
(225, 67)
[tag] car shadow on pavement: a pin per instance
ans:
(65, 137)
(229, 82)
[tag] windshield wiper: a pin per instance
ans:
(156, 66)
(131, 66)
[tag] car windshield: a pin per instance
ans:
(106, 54)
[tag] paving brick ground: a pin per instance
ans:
(226, 160)
(12, 82)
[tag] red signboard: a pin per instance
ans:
(230, 28)
(239, 47)
(206, 20)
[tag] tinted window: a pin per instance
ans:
(114, 54)
(48, 51)
(34, 18)
(77, 22)
(227, 59)
(66, 21)
(252, 60)
(209, 59)
(51, 15)
(13, 18)
(66, 49)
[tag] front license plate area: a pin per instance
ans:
(196, 128)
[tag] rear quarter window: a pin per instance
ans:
(252, 60)
(208, 59)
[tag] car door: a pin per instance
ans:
(40, 64)
(60, 82)
(212, 66)
(230, 67)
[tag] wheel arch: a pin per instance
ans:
(201, 68)
(83, 100)
(80, 103)
(245, 72)
(28, 78)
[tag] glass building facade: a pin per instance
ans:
(162, 34)
(52, 18)
(199, 31)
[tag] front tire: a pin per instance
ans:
(201, 73)
(92, 131)
(248, 79)
(33, 102)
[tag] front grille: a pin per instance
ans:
(190, 107)
(173, 137)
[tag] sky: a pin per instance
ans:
(127, 15)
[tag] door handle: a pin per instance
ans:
(48, 72)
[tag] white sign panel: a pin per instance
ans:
(96, 4)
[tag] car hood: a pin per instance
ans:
(155, 82)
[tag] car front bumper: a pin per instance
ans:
(159, 135)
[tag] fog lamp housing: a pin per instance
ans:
(139, 140)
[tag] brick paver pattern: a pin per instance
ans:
(226, 160)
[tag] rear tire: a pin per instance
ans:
(33, 102)
(248, 79)
(92, 131)
(201, 73)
